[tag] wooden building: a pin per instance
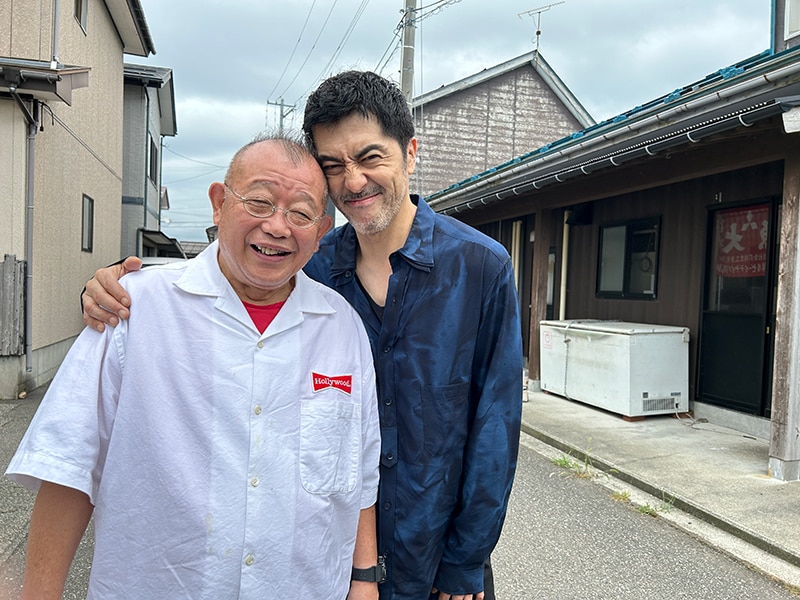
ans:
(488, 118)
(684, 211)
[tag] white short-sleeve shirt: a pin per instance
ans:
(222, 463)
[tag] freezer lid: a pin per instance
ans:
(618, 327)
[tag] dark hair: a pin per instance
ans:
(365, 93)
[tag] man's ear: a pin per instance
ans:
(216, 193)
(411, 156)
(324, 226)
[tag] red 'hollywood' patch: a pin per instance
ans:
(343, 383)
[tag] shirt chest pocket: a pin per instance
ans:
(330, 435)
(445, 416)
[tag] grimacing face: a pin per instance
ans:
(367, 171)
(260, 256)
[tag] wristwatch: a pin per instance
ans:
(376, 573)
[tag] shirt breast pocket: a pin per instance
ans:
(444, 408)
(330, 436)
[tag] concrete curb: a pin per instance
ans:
(678, 502)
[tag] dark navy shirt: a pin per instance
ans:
(448, 360)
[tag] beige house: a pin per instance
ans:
(61, 169)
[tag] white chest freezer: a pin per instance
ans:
(633, 369)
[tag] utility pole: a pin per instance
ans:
(282, 114)
(407, 51)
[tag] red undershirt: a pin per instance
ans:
(263, 315)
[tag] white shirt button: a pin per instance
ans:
(249, 560)
(254, 482)
(260, 344)
(257, 409)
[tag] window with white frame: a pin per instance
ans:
(87, 224)
(628, 260)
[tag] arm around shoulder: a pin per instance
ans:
(104, 301)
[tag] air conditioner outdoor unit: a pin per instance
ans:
(633, 369)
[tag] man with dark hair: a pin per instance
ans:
(439, 303)
(226, 437)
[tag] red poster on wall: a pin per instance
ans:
(741, 238)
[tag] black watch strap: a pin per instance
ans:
(376, 573)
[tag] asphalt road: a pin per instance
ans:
(568, 536)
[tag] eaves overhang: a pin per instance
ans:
(159, 78)
(129, 19)
(46, 81)
(165, 245)
(753, 90)
(535, 60)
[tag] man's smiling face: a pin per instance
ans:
(260, 256)
(367, 171)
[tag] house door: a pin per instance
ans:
(738, 309)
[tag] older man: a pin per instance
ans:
(226, 437)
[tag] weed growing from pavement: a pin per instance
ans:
(565, 461)
(664, 506)
(583, 469)
(621, 496)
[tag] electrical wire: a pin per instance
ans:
(296, 44)
(353, 22)
(204, 174)
(394, 45)
(348, 33)
(56, 119)
(311, 50)
(200, 162)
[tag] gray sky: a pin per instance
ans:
(230, 59)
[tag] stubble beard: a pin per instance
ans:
(386, 214)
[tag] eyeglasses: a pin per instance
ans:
(264, 208)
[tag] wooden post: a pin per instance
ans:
(12, 306)
(784, 447)
(541, 250)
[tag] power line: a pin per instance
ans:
(313, 46)
(345, 38)
(166, 147)
(205, 174)
(296, 44)
(338, 51)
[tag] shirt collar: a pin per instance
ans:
(417, 251)
(203, 276)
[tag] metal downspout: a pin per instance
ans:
(56, 27)
(140, 245)
(160, 175)
(33, 126)
(32, 129)
(772, 37)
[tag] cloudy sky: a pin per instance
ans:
(235, 61)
